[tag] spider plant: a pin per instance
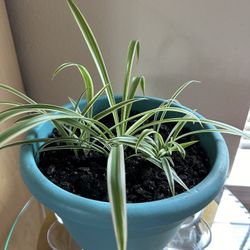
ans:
(80, 129)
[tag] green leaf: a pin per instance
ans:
(71, 143)
(92, 126)
(176, 130)
(27, 116)
(142, 136)
(138, 81)
(178, 147)
(203, 131)
(75, 147)
(225, 128)
(147, 114)
(38, 108)
(188, 144)
(89, 86)
(32, 107)
(23, 210)
(10, 103)
(134, 48)
(162, 153)
(22, 142)
(90, 41)
(16, 93)
(145, 147)
(180, 89)
(138, 123)
(95, 52)
(174, 96)
(96, 125)
(23, 126)
(74, 105)
(77, 106)
(158, 163)
(116, 107)
(90, 104)
(168, 172)
(179, 180)
(117, 194)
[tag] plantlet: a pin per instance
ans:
(81, 129)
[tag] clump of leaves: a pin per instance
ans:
(81, 129)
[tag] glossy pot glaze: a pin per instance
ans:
(150, 224)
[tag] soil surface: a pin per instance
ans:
(86, 176)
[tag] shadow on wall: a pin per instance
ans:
(13, 193)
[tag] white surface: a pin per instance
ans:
(240, 173)
(231, 225)
(244, 143)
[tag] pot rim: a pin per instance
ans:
(185, 204)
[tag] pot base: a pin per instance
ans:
(194, 233)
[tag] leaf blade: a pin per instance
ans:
(117, 194)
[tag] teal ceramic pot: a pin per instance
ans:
(151, 224)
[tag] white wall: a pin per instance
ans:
(181, 40)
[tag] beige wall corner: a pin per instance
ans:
(13, 193)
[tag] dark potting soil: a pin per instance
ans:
(86, 176)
